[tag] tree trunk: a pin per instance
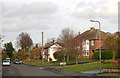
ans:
(113, 55)
(67, 59)
(76, 59)
(64, 58)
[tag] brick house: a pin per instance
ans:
(89, 42)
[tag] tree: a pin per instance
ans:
(21, 55)
(65, 38)
(59, 55)
(36, 46)
(111, 42)
(9, 49)
(76, 48)
(35, 53)
(4, 56)
(24, 41)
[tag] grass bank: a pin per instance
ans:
(86, 67)
(73, 61)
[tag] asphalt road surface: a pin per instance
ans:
(26, 70)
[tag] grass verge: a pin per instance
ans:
(86, 67)
(110, 76)
(73, 61)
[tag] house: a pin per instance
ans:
(89, 42)
(49, 50)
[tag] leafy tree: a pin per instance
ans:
(36, 46)
(9, 49)
(111, 42)
(4, 56)
(35, 53)
(21, 55)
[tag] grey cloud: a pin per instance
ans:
(94, 10)
(86, 13)
(28, 16)
(38, 8)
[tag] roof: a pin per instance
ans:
(91, 34)
(48, 46)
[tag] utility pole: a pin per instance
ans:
(42, 48)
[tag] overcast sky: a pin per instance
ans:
(51, 16)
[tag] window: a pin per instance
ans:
(84, 42)
(85, 53)
(92, 42)
(84, 47)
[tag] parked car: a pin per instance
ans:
(8, 59)
(6, 63)
(17, 61)
(21, 62)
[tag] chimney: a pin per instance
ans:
(92, 28)
(78, 33)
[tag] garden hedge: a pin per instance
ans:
(105, 54)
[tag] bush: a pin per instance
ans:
(50, 59)
(105, 54)
(58, 55)
(108, 61)
(12, 58)
(4, 56)
(118, 54)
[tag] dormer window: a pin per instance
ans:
(92, 42)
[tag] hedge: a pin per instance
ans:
(105, 54)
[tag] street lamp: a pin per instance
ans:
(99, 41)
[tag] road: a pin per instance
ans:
(26, 70)
(18, 70)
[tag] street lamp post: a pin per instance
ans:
(29, 55)
(99, 41)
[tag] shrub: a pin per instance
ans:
(105, 54)
(102, 61)
(58, 55)
(50, 59)
(4, 56)
(118, 54)
(108, 61)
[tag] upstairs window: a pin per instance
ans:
(84, 42)
(92, 42)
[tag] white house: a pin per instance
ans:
(52, 49)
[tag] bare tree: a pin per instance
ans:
(76, 48)
(24, 40)
(65, 38)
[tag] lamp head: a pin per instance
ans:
(92, 20)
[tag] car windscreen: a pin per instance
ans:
(5, 61)
(17, 60)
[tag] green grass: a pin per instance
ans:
(85, 67)
(110, 76)
(46, 63)
(82, 60)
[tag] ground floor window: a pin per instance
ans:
(85, 52)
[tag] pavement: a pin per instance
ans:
(93, 72)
